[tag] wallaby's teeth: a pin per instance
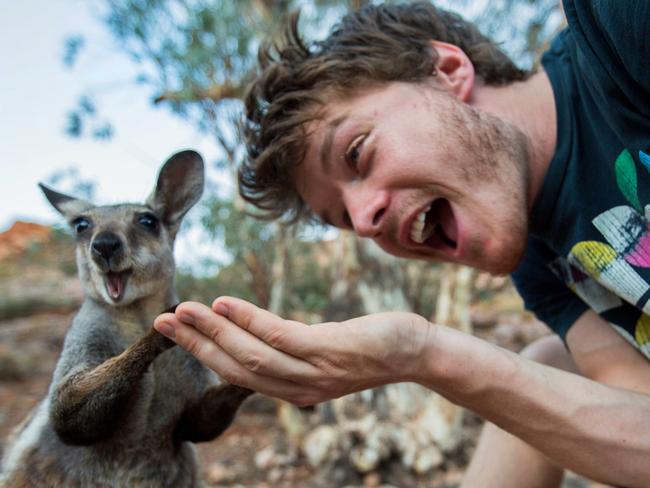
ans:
(115, 284)
(420, 231)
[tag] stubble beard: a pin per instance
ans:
(499, 154)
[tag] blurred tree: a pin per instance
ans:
(70, 181)
(197, 56)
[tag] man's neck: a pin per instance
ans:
(530, 106)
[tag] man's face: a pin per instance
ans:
(422, 173)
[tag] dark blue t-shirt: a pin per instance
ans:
(590, 233)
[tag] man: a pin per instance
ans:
(408, 127)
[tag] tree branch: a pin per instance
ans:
(217, 93)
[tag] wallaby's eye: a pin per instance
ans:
(148, 220)
(81, 224)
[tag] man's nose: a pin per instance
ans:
(367, 211)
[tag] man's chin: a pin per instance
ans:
(500, 269)
(505, 263)
(498, 262)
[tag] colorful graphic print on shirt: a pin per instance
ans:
(601, 272)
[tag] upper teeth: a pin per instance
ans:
(419, 226)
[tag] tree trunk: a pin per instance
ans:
(404, 422)
(289, 416)
(279, 270)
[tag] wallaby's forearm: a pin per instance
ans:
(209, 416)
(87, 406)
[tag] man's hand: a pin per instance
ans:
(251, 347)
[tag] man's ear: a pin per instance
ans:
(454, 70)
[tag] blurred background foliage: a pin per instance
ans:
(196, 57)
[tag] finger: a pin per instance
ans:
(292, 337)
(251, 352)
(228, 368)
(161, 324)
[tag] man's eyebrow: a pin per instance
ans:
(326, 147)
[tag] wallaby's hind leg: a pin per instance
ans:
(87, 405)
(211, 414)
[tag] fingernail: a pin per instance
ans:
(221, 309)
(188, 319)
(165, 329)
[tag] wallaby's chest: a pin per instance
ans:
(170, 382)
(178, 379)
(174, 380)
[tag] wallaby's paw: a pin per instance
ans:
(159, 342)
(236, 392)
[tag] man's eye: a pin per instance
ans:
(353, 154)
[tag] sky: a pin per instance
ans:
(37, 91)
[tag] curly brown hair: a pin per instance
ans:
(377, 44)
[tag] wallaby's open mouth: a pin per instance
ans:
(116, 283)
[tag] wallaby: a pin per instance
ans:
(119, 412)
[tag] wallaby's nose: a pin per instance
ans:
(105, 246)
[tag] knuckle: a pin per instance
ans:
(232, 377)
(307, 399)
(299, 401)
(330, 368)
(253, 363)
(247, 321)
(323, 384)
(215, 335)
(193, 346)
(276, 338)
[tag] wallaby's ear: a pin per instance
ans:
(179, 187)
(66, 205)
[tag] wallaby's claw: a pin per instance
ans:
(163, 342)
(237, 391)
(155, 342)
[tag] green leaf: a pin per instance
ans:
(626, 178)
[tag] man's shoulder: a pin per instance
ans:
(616, 35)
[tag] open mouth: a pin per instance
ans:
(436, 226)
(116, 283)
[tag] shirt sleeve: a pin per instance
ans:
(616, 33)
(544, 292)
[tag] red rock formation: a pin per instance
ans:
(21, 234)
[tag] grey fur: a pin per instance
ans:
(119, 412)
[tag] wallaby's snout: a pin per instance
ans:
(109, 254)
(107, 250)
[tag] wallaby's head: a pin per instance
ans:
(125, 251)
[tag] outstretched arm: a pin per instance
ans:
(87, 405)
(597, 430)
